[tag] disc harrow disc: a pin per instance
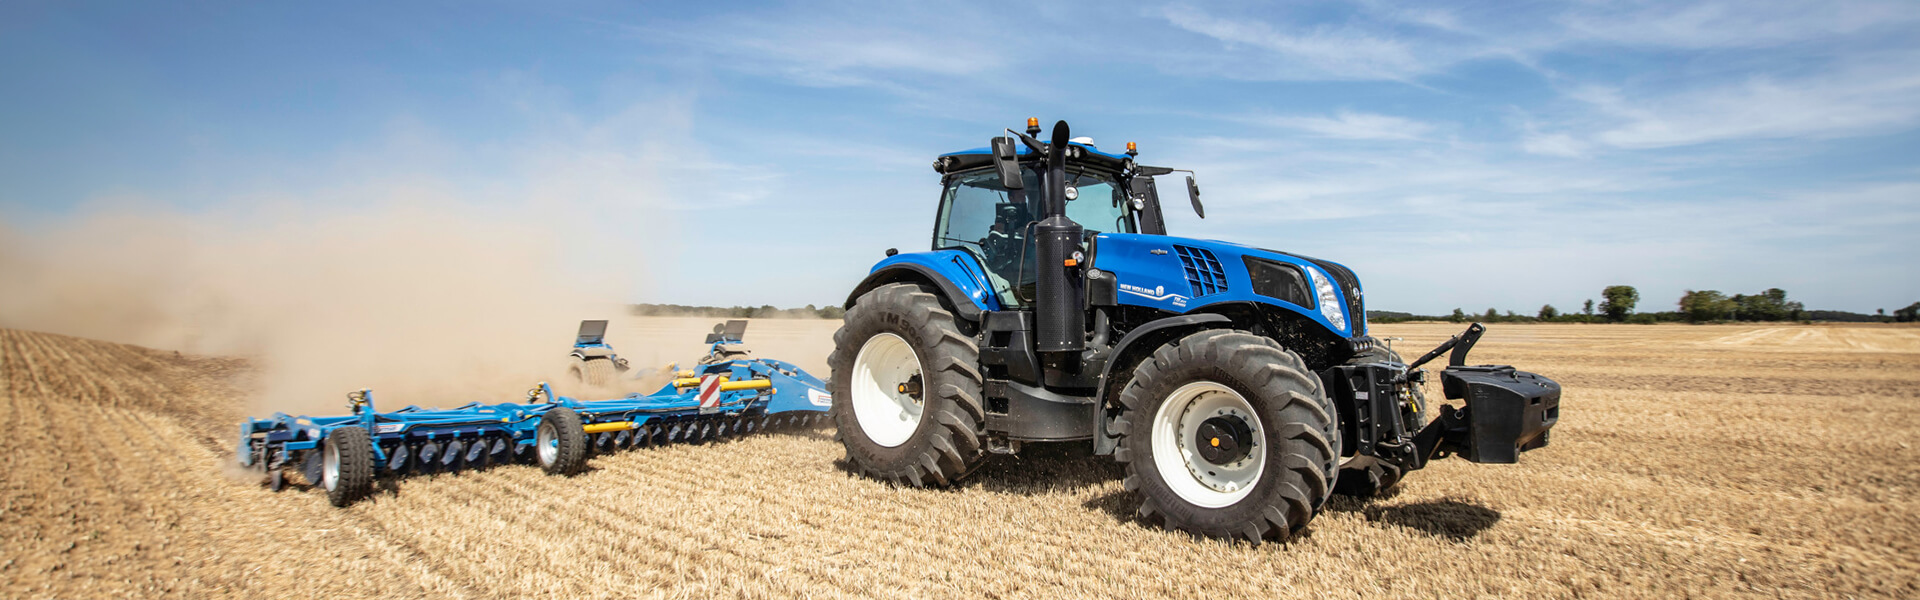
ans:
(450, 456)
(428, 452)
(310, 468)
(477, 455)
(397, 459)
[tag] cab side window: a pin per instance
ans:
(978, 216)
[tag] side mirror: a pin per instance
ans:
(1007, 162)
(1193, 194)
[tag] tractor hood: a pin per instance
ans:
(1180, 275)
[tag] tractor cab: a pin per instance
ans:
(991, 214)
(980, 216)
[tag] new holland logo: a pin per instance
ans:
(1157, 294)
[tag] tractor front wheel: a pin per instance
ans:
(906, 389)
(1228, 435)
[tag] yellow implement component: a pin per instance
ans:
(605, 427)
(727, 386)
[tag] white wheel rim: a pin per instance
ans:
(547, 444)
(887, 415)
(1176, 453)
(330, 466)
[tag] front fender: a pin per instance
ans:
(1145, 338)
(1135, 346)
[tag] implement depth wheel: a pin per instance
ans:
(1228, 435)
(346, 465)
(560, 443)
(906, 389)
(1363, 476)
(596, 372)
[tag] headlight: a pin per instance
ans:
(1329, 300)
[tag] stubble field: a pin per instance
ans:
(1721, 461)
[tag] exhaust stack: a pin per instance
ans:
(1061, 323)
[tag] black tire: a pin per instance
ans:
(347, 465)
(561, 428)
(596, 372)
(1298, 426)
(1369, 478)
(947, 443)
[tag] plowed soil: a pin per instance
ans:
(1720, 461)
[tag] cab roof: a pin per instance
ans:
(963, 160)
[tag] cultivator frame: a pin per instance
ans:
(716, 399)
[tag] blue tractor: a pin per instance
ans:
(1237, 384)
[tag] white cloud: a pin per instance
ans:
(1859, 100)
(1553, 144)
(1745, 24)
(848, 46)
(1349, 125)
(1323, 52)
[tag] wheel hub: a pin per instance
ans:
(547, 443)
(1224, 439)
(911, 388)
(330, 467)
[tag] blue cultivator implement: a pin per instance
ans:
(728, 393)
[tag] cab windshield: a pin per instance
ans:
(977, 215)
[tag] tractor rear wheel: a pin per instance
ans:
(1364, 476)
(560, 442)
(346, 465)
(596, 372)
(906, 389)
(1228, 435)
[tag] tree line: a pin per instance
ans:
(1617, 304)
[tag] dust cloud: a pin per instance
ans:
(428, 303)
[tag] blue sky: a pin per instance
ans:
(1455, 154)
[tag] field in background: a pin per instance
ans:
(1756, 461)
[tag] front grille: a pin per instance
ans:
(1203, 270)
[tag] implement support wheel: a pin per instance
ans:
(560, 443)
(596, 372)
(346, 465)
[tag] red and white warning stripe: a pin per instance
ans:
(709, 391)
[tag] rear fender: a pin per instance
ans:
(956, 274)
